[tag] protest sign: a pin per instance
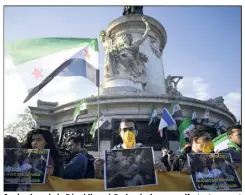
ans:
(129, 168)
(213, 171)
(25, 166)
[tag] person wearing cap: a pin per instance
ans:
(235, 145)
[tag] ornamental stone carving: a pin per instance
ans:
(171, 85)
(123, 58)
(218, 101)
(155, 45)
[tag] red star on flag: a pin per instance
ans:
(37, 73)
(86, 54)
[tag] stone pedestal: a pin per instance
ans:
(130, 66)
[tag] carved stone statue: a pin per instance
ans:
(123, 58)
(109, 60)
(171, 85)
(132, 10)
(218, 101)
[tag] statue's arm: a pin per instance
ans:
(139, 42)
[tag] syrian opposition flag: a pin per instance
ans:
(185, 129)
(39, 60)
(175, 110)
(81, 108)
(218, 127)
(222, 142)
(104, 122)
(153, 117)
(205, 118)
(166, 120)
(194, 118)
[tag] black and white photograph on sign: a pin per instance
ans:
(25, 166)
(129, 168)
(212, 172)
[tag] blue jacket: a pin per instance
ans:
(77, 167)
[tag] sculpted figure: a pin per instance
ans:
(110, 59)
(129, 55)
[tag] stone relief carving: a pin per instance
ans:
(171, 85)
(155, 45)
(123, 58)
(110, 51)
(218, 101)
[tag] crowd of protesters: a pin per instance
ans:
(81, 164)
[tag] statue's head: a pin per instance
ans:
(127, 39)
(102, 35)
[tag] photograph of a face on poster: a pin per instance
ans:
(129, 168)
(25, 166)
(210, 172)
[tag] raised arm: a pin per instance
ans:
(143, 38)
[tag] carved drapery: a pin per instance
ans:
(122, 56)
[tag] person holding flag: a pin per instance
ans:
(230, 142)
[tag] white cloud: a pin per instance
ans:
(194, 87)
(197, 87)
(233, 102)
(61, 89)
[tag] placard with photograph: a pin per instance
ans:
(129, 168)
(212, 172)
(25, 166)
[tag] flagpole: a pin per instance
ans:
(98, 103)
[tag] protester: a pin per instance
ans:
(10, 142)
(81, 164)
(128, 133)
(200, 143)
(167, 158)
(43, 139)
(234, 147)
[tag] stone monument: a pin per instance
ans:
(133, 46)
(134, 82)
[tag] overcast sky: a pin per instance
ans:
(204, 46)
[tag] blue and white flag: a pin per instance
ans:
(166, 120)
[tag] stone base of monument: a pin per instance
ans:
(137, 107)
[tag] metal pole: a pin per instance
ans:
(98, 103)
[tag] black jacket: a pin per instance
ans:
(235, 154)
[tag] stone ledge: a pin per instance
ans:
(93, 100)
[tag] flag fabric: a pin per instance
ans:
(205, 118)
(104, 122)
(222, 142)
(153, 117)
(218, 127)
(175, 110)
(82, 107)
(166, 120)
(194, 118)
(184, 130)
(39, 60)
